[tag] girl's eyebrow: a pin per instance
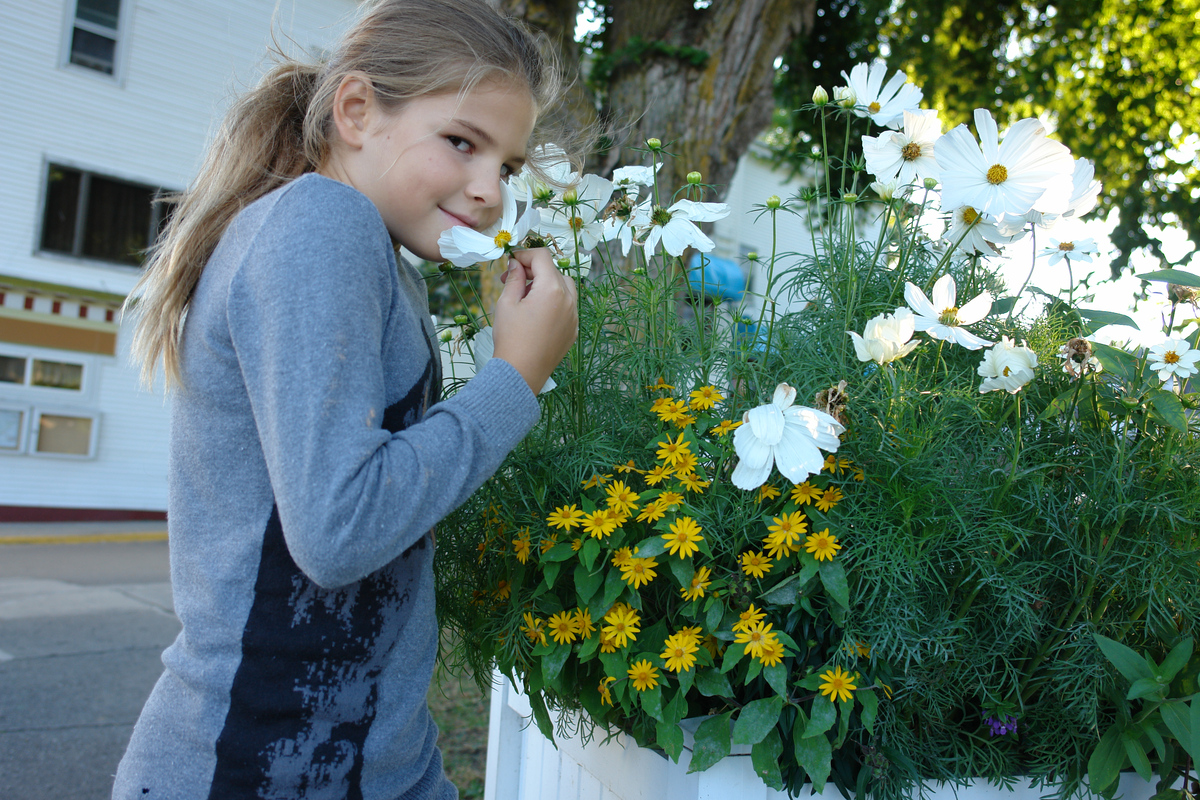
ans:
(486, 138)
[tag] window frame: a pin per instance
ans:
(159, 212)
(26, 412)
(71, 21)
(50, 393)
(35, 429)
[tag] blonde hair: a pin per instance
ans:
(282, 129)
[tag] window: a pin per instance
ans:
(94, 34)
(12, 429)
(64, 434)
(93, 216)
(34, 371)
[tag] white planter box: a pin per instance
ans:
(524, 765)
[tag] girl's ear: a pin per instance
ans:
(353, 105)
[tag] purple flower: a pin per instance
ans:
(998, 728)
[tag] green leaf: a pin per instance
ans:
(756, 720)
(1137, 756)
(560, 552)
(651, 700)
(870, 707)
(589, 552)
(653, 546)
(765, 758)
(615, 665)
(1107, 761)
(1184, 724)
(1002, 306)
(1172, 276)
(1168, 410)
(1100, 318)
(1058, 405)
(613, 586)
(541, 716)
(1116, 361)
(588, 647)
(716, 613)
(711, 683)
(785, 592)
(777, 677)
(733, 654)
(552, 664)
(550, 573)
(1127, 662)
(670, 738)
(1146, 687)
(815, 753)
(823, 715)
(683, 569)
(833, 576)
(675, 710)
(1176, 660)
(711, 743)
(587, 583)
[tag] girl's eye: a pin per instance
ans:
(458, 143)
(506, 171)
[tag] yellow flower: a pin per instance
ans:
(705, 398)
(771, 652)
(684, 421)
(548, 542)
(713, 645)
(669, 410)
(748, 617)
(753, 637)
(700, 581)
(596, 480)
(607, 643)
(621, 557)
(683, 538)
(859, 475)
(563, 627)
(679, 652)
(644, 675)
(639, 571)
(672, 450)
(623, 625)
(661, 384)
(804, 493)
(653, 512)
(583, 623)
(565, 517)
(670, 499)
(784, 537)
(862, 649)
(767, 492)
(691, 481)
(755, 564)
(686, 463)
(503, 590)
(599, 524)
(576, 544)
(620, 497)
(521, 545)
(658, 474)
(605, 694)
(830, 498)
(533, 629)
(823, 545)
(617, 516)
(725, 426)
(830, 464)
(628, 466)
(838, 684)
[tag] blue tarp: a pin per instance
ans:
(718, 278)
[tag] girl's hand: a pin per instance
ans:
(536, 319)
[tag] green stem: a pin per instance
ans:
(1028, 278)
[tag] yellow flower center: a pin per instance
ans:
(874, 107)
(1171, 357)
(577, 223)
(970, 215)
(997, 174)
(1066, 246)
(949, 316)
(502, 239)
(910, 151)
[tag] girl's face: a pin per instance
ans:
(438, 161)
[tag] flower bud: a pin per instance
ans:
(639, 270)
(752, 256)
(694, 178)
(845, 96)
(461, 319)
(931, 183)
(849, 197)
(654, 144)
(445, 267)
(774, 202)
(820, 96)
(445, 336)
(571, 197)
(563, 263)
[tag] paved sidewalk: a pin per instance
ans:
(78, 532)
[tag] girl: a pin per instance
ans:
(309, 455)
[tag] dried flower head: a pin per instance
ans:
(1182, 294)
(1078, 358)
(833, 401)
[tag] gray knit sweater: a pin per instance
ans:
(309, 462)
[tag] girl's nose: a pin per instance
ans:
(485, 188)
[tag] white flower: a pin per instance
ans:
(942, 319)
(621, 227)
(1084, 189)
(1173, 357)
(905, 156)
(676, 227)
(974, 232)
(626, 178)
(786, 436)
(483, 347)
(1006, 366)
(579, 219)
(465, 247)
(886, 337)
(844, 96)
(886, 190)
(552, 163)
(1080, 250)
(997, 178)
(885, 106)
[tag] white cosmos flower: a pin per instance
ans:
(626, 178)
(887, 190)
(906, 155)
(886, 103)
(621, 226)
(785, 436)
(1080, 250)
(465, 247)
(1174, 357)
(942, 318)
(886, 337)
(575, 215)
(1007, 366)
(555, 168)
(483, 348)
(1085, 189)
(1000, 178)
(676, 227)
(979, 233)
